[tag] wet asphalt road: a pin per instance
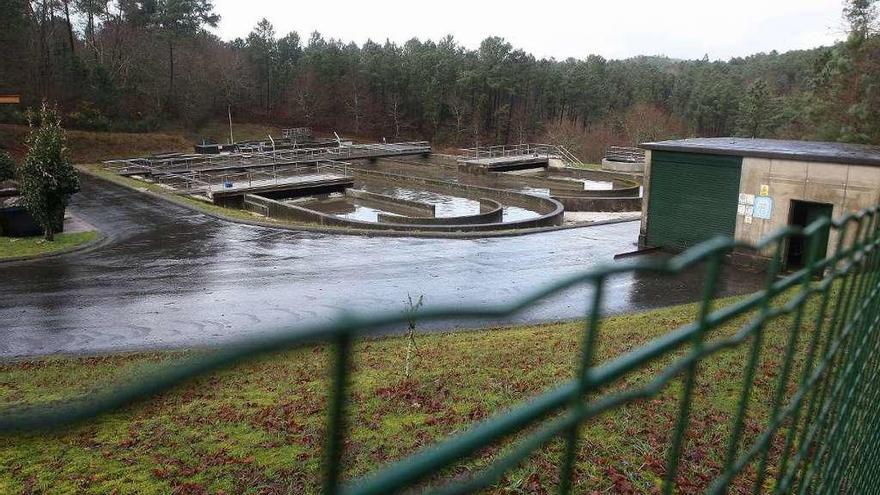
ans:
(169, 277)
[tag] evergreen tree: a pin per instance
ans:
(845, 101)
(174, 20)
(47, 178)
(125, 76)
(861, 16)
(757, 112)
(262, 51)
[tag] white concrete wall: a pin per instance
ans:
(626, 167)
(646, 191)
(847, 187)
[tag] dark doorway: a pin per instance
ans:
(804, 213)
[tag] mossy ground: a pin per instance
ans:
(258, 427)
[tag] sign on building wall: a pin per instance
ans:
(751, 206)
(763, 207)
(745, 206)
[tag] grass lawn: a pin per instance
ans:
(218, 131)
(586, 166)
(258, 427)
(87, 146)
(15, 247)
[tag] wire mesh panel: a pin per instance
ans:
(804, 411)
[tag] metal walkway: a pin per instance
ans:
(506, 163)
(515, 157)
(299, 184)
(180, 164)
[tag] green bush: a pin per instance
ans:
(89, 118)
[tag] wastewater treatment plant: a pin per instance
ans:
(402, 187)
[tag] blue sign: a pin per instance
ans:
(763, 207)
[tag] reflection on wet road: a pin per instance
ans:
(170, 277)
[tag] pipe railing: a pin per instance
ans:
(522, 149)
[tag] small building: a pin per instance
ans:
(15, 221)
(695, 189)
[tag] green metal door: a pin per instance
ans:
(692, 197)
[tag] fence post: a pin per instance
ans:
(336, 411)
(807, 434)
(690, 375)
(783, 476)
(839, 352)
(858, 328)
(590, 336)
(794, 333)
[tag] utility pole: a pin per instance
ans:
(229, 113)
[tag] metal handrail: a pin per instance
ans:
(625, 154)
(193, 163)
(522, 149)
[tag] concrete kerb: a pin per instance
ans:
(99, 240)
(276, 209)
(625, 197)
(449, 162)
(575, 203)
(626, 167)
(629, 179)
(491, 211)
(402, 206)
(626, 184)
(323, 229)
(541, 204)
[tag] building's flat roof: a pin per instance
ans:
(813, 151)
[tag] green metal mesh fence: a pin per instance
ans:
(819, 437)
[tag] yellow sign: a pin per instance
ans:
(10, 99)
(765, 190)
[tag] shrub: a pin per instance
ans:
(89, 118)
(639, 123)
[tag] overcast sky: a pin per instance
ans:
(558, 28)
